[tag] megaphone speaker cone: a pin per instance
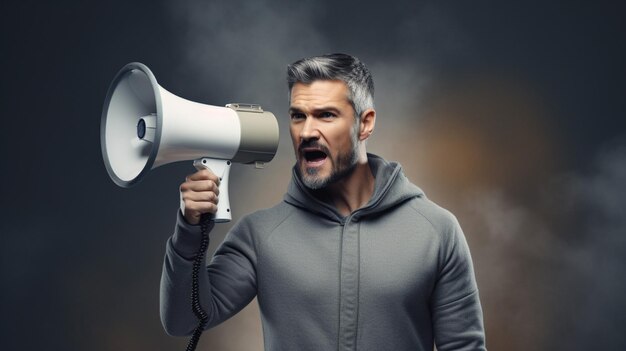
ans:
(132, 95)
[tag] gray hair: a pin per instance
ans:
(342, 67)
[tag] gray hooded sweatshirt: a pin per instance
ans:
(395, 274)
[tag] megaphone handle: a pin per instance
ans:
(221, 168)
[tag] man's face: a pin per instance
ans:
(323, 131)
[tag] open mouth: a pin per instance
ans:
(314, 157)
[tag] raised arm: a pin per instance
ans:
(229, 282)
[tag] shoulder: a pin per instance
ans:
(442, 220)
(265, 220)
(249, 231)
(447, 231)
(450, 237)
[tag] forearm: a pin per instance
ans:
(456, 311)
(226, 286)
(458, 325)
(176, 280)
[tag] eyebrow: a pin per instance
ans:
(316, 110)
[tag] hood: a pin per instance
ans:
(391, 188)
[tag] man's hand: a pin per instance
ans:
(198, 195)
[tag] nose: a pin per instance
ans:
(309, 130)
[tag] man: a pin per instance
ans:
(355, 257)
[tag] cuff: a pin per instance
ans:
(187, 238)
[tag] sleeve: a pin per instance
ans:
(227, 287)
(455, 306)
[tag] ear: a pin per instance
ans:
(366, 127)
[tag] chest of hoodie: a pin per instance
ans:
(360, 264)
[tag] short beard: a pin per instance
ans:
(344, 166)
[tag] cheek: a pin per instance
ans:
(342, 141)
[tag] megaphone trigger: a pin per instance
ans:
(220, 168)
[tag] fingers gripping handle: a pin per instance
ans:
(221, 168)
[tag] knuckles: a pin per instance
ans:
(195, 207)
(200, 186)
(203, 174)
(199, 198)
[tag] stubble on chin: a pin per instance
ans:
(343, 166)
(311, 178)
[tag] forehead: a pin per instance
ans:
(319, 92)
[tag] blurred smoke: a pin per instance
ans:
(239, 49)
(590, 308)
(548, 244)
(551, 272)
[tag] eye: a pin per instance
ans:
(297, 116)
(327, 114)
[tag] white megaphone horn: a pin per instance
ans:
(144, 126)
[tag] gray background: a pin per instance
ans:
(510, 115)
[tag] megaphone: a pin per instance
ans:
(144, 126)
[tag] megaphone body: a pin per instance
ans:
(144, 126)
